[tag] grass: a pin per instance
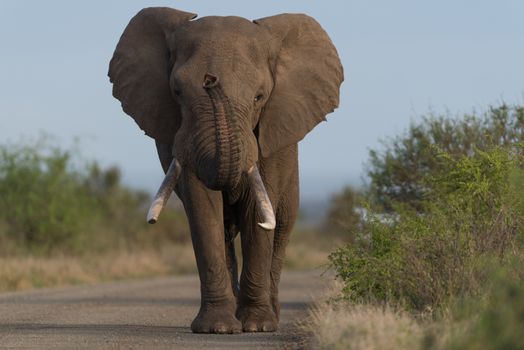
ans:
(491, 321)
(21, 272)
(338, 325)
(27, 272)
(309, 248)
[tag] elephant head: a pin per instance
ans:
(224, 91)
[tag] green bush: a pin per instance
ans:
(44, 201)
(424, 257)
(397, 172)
(52, 202)
(497, 320)
(492, 320)
(443, 234)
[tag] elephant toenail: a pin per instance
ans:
(220, 328)
(250, 327)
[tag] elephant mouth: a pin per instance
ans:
(263, 204)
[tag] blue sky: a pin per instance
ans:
(401, 59)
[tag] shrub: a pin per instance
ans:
(53, 203)
(470, 212)
(497, 320)
(44, 202)
(398, 171)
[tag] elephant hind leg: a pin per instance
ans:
(231, 231)
(232, 265)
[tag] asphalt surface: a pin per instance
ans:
(145, 314)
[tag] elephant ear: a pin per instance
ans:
(307, 75)
(139, 71)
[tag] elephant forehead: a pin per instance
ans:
(219, 25)
(224, 36)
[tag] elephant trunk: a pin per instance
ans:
(218, 152)
(264, 207)
(165, 190)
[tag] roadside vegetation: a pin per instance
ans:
(66, 220)
(437, 262)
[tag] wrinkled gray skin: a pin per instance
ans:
(222, 94)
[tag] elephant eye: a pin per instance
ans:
(258, 97)
(177, 92)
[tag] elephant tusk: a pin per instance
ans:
(165, 190)
(265, 209)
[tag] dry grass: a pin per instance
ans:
(309, 249)
(19, 273)
(304, 256)
(338, 325)
(306, 250)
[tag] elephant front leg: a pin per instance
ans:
(205, 214)
(254, 309)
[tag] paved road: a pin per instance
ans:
(149, 314)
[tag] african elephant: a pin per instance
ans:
(227, 100)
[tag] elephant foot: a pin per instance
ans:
(216, 319)
(257, 318)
